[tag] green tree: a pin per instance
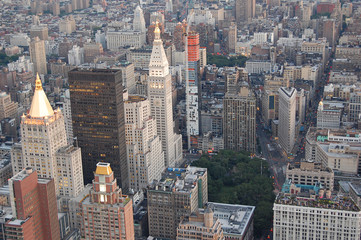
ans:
(235, 178)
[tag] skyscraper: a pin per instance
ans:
(138, 20)
(245, 10)
(43, 136)
(239, 120)
(8, 108)
(287, 117)
(37, 55)
(232, 38)
(144, 148)
(193, 78)
(160, 97)
(181, 192)
(33, 203)
(107, 213)
(98, 120)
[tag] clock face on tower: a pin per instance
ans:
(157, 102)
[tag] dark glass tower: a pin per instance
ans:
(98, 120)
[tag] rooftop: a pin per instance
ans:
(309, 166)
(335, 202)
(103, 169)
(23, 174)
(179, 179)
(234, 218)
(356, 187)
(333, 135)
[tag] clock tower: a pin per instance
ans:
(160, 96)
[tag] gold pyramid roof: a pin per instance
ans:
(103, 169)
(40, 106)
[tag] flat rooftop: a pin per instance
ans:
(334, 203)
(178, 179)
(356, 187)
(308, 166)
(333, 135)
(234, 219)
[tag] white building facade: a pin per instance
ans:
(43, 135)
(299, 222)
(160, 97)
(144, 148)
(287, 118)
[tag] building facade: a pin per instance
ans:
(43, 134)
(287, 118)
(33, 203)
(97, 109)
(106, 212)
(239, 120)
(194, 81)
(160, 97)
(144, 148)
(174, 197)
(310, 173)
(37, 55)
(200, 226)
(307, 212)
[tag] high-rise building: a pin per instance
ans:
(287, 117)
(37, 55)
(144, 148)
(128, 75)
(245, 10)
(97, 110)
(106, 212)
(180, 192)
(194, 82)
(160, 97)
(76, 56)
(178, 37)
(232, 38)
(138, 20)
(40, 31)
(125, 38)
(65, 105)
(329, 115)
(8, 108)
(310, 212)
(91, 50)
(33, 203)
(44, 146)
(67, 25)
(310, 173)
(239, 120)
(56, 8)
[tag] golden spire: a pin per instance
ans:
(40, 106)
(38, 85)
(156, 31)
